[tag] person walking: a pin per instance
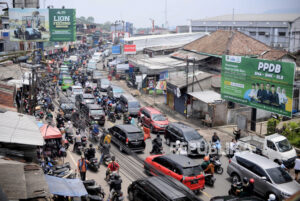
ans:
(297, 167)
(82, 167)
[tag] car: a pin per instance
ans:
(67, 108)
(159, 188)
(179, 167)
(128, 136)
(103, 84)
(93, 113)
(92, 65)
(96, 75)
(28, 33)
(83, 99)
(66, 83)
(114, 91)
(153, 119)
(234, 198)
(61, 76)
(269, 177)
(74, 90)
(196, 144)
(129, 104)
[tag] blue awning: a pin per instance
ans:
(65, 187)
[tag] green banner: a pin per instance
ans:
(62, 24)
(258, 83)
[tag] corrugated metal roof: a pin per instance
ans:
(206, 96)
(20, 129)
(183, 54)
(254, 17)
(180, 80)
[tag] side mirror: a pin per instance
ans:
(264, 178)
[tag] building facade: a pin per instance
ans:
(281, 31)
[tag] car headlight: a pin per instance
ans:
(193, 146)
(157, 124)
(285, 195)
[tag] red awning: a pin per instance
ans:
(49, 132)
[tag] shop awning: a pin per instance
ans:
(65, 187)
(49, 132)
(206, 96)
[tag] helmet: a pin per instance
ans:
(129, 117)
(91, 145)
(69, 122)
(110, 104)
(113, 158)
(272, 197)
(177, 142)
(251, 181)
(245, 180)
(206, 158)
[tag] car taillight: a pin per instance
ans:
(126, 140)
(229, 161)
(144, 138)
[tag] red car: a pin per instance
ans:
(153, 119)
(179, 167)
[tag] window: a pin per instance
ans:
(261, 33)
(258, 171)
(245, 163)
(281, 33)
(271, 145)
(252, 33)
(279, 175)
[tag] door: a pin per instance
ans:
(260, 184)
(147, 118)
(170, 100)
(270, 150)
(172, 132)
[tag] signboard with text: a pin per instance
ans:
(258, 83)
(116, 49)
(62, 24)
(129, 49)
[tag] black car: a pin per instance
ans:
(234, 198)
(67, 108)
(83, 99)
(128, 136)
(195, 143)
(93, 113)
(159, 189)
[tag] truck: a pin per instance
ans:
(276, 147)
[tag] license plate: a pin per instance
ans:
(194, 182)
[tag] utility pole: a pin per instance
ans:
(166, 14)
(187, 81)
(193, 75)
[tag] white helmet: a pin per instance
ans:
(177, 142)
(272, 197)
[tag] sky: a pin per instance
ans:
(179, 12)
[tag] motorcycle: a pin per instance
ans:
(69, 136)
(112, 117)
(84, 141)
(117, 196)
(106, 159)
(93, 162)
(236, 188)
(209, 179)
(217, 164)
(95, 191)
(78, 149)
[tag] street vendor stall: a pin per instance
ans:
(53, 139)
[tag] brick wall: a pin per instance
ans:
(7, 95)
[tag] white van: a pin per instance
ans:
(97, 56)
(92, 65)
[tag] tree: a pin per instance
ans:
(90, 19)
(82, 18)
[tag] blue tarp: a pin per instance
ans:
(65, 187)
(40, 124)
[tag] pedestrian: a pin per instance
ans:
(297, 167)
(82, 167)
(215, 138)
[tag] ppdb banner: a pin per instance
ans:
(258, 83)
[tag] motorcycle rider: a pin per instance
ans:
(207, 166)
(90, 152)
(59, 120)
(77, 141)
(95, 128)
(114, 185)
(215, 138)
(112, 167)
(248, 187)
(104, 151)
(156, 145)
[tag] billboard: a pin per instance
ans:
(29, 24)
(116, 49)
(62, 24)
(129, 49)
(258, 83)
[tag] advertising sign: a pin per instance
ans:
(62, 24)
(116, 49)
(29, 24)
(258, 83)
(129, 49)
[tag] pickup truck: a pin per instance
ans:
(276, 147)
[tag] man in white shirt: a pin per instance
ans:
(297, 167)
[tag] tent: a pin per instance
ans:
(49, 132)
(65, 187)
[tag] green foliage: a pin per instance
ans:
(271, 125)
(292, 132)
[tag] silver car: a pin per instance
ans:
(269, 177)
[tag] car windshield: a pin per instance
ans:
(279, 175)
(158, 117)
(77, 90)
(67, 81)
(135, 135)
(96, 112)
(192, 171)
(97, 74)
(192, 135)
(106, 82)
(117, 90)
(134, 105)
(284, 145)
(89, 100)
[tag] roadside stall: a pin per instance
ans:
(121, 71)
(53, 139)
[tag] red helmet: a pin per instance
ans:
(110, 104)
(206, 158)
(129, 117)
(251, 181)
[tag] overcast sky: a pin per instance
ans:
(178, 11)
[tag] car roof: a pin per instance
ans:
(180, 160)
(94, 107)
(183, 127)
(129, 97)
(128, 128)
(152, 110)
(275, 137)
(77, 87)
(234, 198)
(88, 96)
(262, 161)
